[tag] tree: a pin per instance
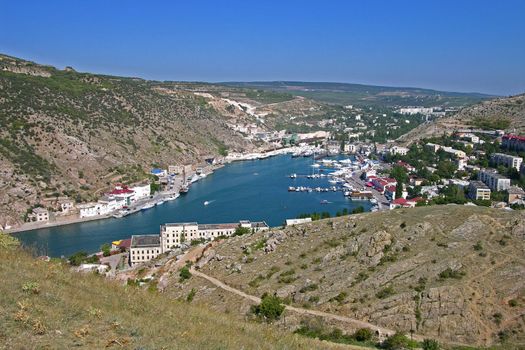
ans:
(399, 190)
(106, 249)
(270, 308)
(399, 173)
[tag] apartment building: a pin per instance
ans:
(495, 181)
(478, 190)
(506, 160)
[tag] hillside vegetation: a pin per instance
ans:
(506, 114)
(45, 306)
(70, 133)
(451, 273)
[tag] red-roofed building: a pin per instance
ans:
(513, 142)
(405, 165)
(123, 192)
(380, 183)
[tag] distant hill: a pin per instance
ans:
(453, 273)
(43, 305)
(507, 113)
(358, 94)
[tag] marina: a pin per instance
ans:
(255, 190)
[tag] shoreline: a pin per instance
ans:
(26, 227)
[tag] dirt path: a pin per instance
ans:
(354, 322)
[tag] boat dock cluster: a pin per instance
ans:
(343, 176)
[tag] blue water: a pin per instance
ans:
(252, 190)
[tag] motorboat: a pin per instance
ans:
(147, 206)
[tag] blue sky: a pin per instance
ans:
(462, 45)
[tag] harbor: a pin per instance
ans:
(255, 190)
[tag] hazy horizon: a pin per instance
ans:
(446, 46)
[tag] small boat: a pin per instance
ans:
(184, 189)
(159, 203)
(293, 176)
(147, 206)
(324, 201)
(291, 189)
(195, 178)
(206, 203)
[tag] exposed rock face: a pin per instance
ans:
(419, 269)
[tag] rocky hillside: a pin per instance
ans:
(45, 306)
(69, 133)
(453, 273)
(499, 114)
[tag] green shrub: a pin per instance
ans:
(430, 344)
(191, 295)
(449, 273)
(308, 288)
(363, 334)
(270, 308)
(385, 292)
(184, 274)
(513, 303)
(399, 341)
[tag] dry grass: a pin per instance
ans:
(45, 306)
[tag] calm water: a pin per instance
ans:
(252, 190)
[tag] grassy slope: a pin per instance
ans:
(85, 311)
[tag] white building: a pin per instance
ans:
(40, 215)
(143, 248)
(141, 192)
(402, 151)
(292, 222)
(506, 160)
(416, 110)
(495, 181)
(66, 205)
(172, 235)
(87, 210)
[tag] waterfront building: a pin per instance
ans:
(478, 190)
(495, 181)
(39, 215)
(87, 210)
(174, 234)
(140, 192)
(293, 222)
(66, 205)
(124, 192)
(506, 160)
(146, 247)
(143, 248)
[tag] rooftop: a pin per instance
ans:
(138, 241)
(40, 210)
(479, 185)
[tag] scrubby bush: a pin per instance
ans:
(184, 273)
(270, 308)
